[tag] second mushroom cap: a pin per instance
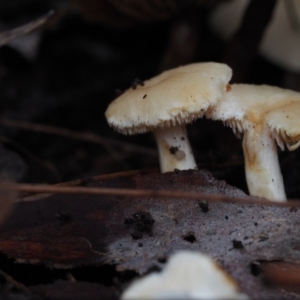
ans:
(264, 115)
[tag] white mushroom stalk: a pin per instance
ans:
(262, 168)
(265, 116)
(165, 104)
(174, 149)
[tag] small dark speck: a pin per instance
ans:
(144, 96)
(263, 238)
(182, 138)
(203, 206)
(293, 209)
(64, 217)
(173, 150)
(255, 223)
(140, 244)
(190, 237)
(162, 260)
(136, 235)
(237, 244)
(226, 217)
(255, 268)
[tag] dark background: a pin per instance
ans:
(87, 51)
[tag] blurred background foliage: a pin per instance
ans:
(65, 73)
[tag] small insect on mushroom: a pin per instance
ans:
(174, 98)
(265, 115)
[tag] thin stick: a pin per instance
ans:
(103, 177)
(15, 283)
(138, 193)
(76, 135)
(7, 36)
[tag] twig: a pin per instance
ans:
(15, 283)
(103, 177)
(139, 193)
(76, 135)
(7, 36)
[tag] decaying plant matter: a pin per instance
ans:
(88, 236)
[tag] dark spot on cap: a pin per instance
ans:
(173, 150)
(144, 96)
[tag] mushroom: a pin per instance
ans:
(265, 115)
(187, 275)
(281, 40)
(165, 104)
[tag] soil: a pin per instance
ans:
(64, 75)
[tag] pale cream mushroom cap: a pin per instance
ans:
(246, 104)
(175, 97)
(187, 275)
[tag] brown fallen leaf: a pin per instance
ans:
(70, 231)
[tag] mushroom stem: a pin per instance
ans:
(262, 168)
(174, 149)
